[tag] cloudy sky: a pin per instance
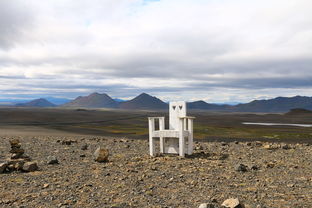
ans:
(215, 50)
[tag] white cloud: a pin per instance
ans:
(214, 50)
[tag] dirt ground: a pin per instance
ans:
(279, 176)
(278, 169)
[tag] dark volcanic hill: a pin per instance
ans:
(202, 105)
(279, 104)
(94, 100)
(144, 101)
(36, 103)
(298, 111)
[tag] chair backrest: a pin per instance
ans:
(176, 110)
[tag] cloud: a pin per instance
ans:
(15, 20)
(214, 50)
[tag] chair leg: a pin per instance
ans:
(161, 142)
(182, 146)
(151, 146)
(190, 144)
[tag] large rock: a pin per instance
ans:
(30, 166)
(232, 203)
(101, 155)
(3, 167)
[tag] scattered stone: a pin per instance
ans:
(232, 203)
(30, 166)
(286, 147)
(84, 147)
(68, 142)
(241, 168)
(224, 144)
(270, 147)
(205, 205)
(254, 167)
(198, 147)
(52, 160)
(248, 143)
(82, 155)
(3, 167)
(16, 164)
(46, 185)
(101, 155)
(258, 144)
(270, 165)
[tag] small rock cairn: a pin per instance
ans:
(18, 161)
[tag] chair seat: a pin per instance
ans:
(169, 133)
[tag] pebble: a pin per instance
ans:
(52, 160)
(232, 203)
(206, 205)
(84, 147)
(241, 168)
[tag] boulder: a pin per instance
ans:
(101, 155)
(30, 166)
(232, 203)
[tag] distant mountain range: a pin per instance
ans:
(94, 100)
(279, 104)
(145, 101)
(36, 103)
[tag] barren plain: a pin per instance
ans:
(262, 166)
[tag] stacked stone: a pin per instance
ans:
(18, 161)
(16, 149)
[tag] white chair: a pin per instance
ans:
(173, 139)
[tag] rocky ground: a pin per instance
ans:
(259, 174)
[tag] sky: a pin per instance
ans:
(219, 51)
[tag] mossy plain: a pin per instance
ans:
(134, 124)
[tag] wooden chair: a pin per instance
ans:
(172, 140)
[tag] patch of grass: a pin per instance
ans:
(203, 131)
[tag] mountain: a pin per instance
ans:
(279, 104)
(94, 100)
(36, 103)
(202, 105)
(144, 101)
(57, 101)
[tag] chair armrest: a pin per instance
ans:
(156, 117)
(188, 117)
